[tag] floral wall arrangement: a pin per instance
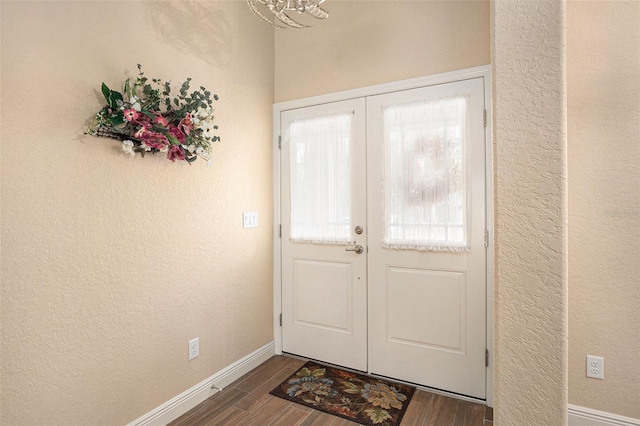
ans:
(145, 118)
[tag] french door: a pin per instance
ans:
(383, 235)
(324, 278)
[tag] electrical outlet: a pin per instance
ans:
(595, 367)
(194, 348)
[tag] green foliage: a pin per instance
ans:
(148, 114)
(172, 139)
(117, 119)
(112, 97)
(106, 92)
(127, 89)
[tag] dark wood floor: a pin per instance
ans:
(247, 402)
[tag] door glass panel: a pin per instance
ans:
(424, 180)
(321, 179)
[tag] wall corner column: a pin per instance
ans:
(530, 202)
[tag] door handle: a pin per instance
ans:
(358, 249)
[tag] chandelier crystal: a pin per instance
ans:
(282, 11)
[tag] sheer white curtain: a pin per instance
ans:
(425, 176)
(321, 179)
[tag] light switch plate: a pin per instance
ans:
(250, 219)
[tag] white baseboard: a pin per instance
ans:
(581, 416)
(188, 399)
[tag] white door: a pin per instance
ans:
(411, 175)
(427, 277)
(323, 193)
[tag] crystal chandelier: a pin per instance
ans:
(282, 9)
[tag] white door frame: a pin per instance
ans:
(449, 77)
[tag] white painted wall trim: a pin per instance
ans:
(277, 242)
(380, 89)
(582, 416)
(188, 399)
(490, 228)
(448, 77)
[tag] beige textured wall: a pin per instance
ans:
(110, 265)
(372, 42)
(603, 70)
(528, 53)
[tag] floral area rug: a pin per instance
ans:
(361, 399)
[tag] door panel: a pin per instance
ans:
(326, 284)
(418, 318)
(427, 292)
(323, 192)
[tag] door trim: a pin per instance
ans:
(449, 77)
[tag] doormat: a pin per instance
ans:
(361, 399)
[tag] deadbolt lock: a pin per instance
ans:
(359, 230)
